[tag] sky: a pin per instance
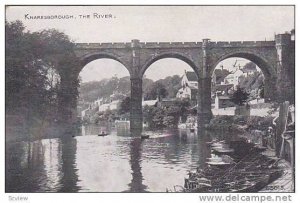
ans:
(157, 24)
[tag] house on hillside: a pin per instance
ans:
(223, 102)
(237, 76)
(165, 103)
(234, 78)
(219, 75)
(189, 86)
(149, 102)
(249, 70)
(99, 101)
(223, 89)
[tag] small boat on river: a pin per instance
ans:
(220, 150)
(215, 141)
(145, 136)
(102, 134)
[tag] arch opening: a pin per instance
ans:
(239, 81)
(104, 87)
(170, 89)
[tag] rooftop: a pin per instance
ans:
(191, 76)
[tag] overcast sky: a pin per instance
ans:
(154, 24)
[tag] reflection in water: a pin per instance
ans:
(69, 177)
(33, 166)
(136, 184)
(114, 163)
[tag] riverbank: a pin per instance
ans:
(285, 183)
(240, 124)
(253, 130)
(249, 173)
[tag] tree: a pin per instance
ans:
(170, 121)
(125, 106)
(34, 65)
(240, 96)
(157, 89)
(261, 91)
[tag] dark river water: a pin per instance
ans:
(114, 163)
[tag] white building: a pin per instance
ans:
(189, 86)
(109, 106)
(235, 78)
(149, 102)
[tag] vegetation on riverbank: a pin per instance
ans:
(34, 65)
(240, 123)
(160, 116)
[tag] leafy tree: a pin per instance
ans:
(157, 89)
(160, 117)
(125, 106)
(169, 121)
(34, 65)
(240, 96)
(262, 91)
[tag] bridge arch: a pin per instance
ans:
(174, 55)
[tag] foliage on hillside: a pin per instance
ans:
(167, 87)
(253, 84)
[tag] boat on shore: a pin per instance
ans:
(221, 150)
(223, 161)
(215, 141)
(250, 173)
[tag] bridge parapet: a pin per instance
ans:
(243, 44)
(118, 45)
(158, 45)
(170, 44)
(141, 44)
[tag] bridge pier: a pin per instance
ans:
(285, 68)
(136, 112)
(204, 113)
(270, 89)
(67, 100)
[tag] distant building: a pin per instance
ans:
(223, 89)
(167, 102)
(249, 69)
(237, 76)
(189, 86)
(150, 102)
(110, 106)
(223, 82)
(234, 78)
(223, 102)
(219, 75)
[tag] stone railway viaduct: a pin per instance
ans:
(275, 59)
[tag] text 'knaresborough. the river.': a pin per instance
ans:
(69, 17)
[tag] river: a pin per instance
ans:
(114, 163)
